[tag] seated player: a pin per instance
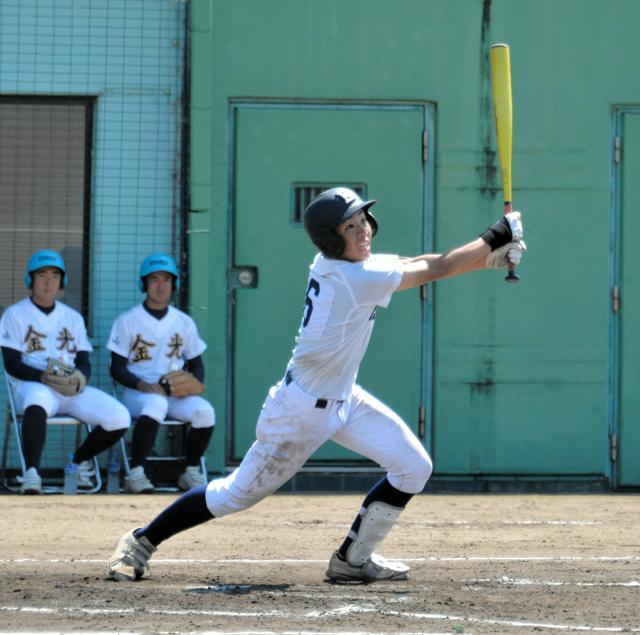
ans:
(156, 354)
(45, 349)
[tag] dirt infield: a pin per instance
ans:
(480, 564)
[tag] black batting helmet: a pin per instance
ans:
(327, 210)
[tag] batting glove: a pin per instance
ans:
(506, 230)
(511, 253)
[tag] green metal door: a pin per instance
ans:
(629, 312)
(279, 149)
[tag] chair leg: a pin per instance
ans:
(98, 486)
(18, 433)
(12, 424)
(96, 466)
(125, 460)
(203, 468)
(5, 450)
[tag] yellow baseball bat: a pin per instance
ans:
(503, 110)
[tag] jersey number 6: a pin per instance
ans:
(314, 286)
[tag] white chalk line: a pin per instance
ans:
(296, 561)
(462, 523)
(242, 632)
(475, 524)
(323, 614)
(83, 632)
(245, 632)
(529, 582)
(570, 523)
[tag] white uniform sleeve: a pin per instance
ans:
(82, 340)
(194, 344)
(374, 280)
(118, 339)
(10, 330)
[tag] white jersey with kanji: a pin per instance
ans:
(155, 347)
(59, 334)
(337, 321)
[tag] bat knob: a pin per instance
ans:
(512, 276)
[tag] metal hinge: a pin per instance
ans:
(613, 440)
(422, 419)
(617, 149)
(615, 299)
(425, 147)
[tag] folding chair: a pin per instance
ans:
(156, 457)
(14, 421)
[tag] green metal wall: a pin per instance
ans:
(520, 373)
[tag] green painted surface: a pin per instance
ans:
(326, 145)
(629, 410)
(520, 373)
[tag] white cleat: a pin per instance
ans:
(86, 474)
(191, 477)
(137, 482)
(30, 483)
(376, 569)
(130, 560)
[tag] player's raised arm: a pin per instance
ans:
(430, 267)
(495, 247)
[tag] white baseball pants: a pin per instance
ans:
(93, 406)
(290, 428)
(195, 410)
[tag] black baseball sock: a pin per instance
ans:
(185, 512)
(145, 432)
(34, 434)
(96, 442)
(197, 444)
(382, 491)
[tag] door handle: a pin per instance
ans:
(243, 277)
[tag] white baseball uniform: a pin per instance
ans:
(153, 348)
(59, 334)
(319, 400)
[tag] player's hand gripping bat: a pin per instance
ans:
(502, 105)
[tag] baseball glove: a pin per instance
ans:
(65, 379)
(180, 383)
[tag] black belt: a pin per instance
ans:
(320, 403)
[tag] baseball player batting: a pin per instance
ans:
(318, 399)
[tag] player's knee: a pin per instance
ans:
(423, 470)
(118, 418)
(204, 416)
(223, 498)
(415, 474)
(238, 501)
(155, 407)
(31, 393)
